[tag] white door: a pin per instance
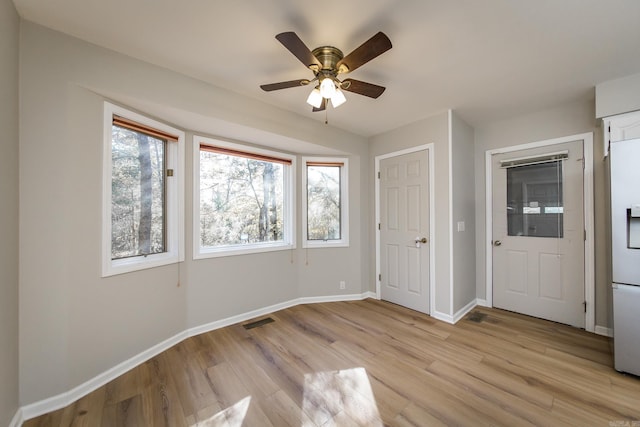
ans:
(404, 230)
(538, 232)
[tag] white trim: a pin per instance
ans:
(589, 226)
(455, 318)
(488, 227)
(17, 419)
(289, 175)
(450, 197)
(174, 198)
(444, 317)
(344, 204)
(482, 302)
(432, 278)
(464, 310)
(603, 330)
(212, 326)
(64, 399)
(589, 251)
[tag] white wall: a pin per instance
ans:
(463, 204)
(75, 325)
(618, 96)
(431, 130)
(9, 32)
(565, 120)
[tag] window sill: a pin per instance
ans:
(233, 250)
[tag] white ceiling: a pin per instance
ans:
(487, 59)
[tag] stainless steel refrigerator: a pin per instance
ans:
(625, 253)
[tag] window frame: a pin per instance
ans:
(344, 204)
(174, 197)
(288, 210)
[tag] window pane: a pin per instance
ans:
(534, 200)
(323, 203)
(138, 194)
(241, 200)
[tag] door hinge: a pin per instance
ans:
(378, 174)
(585, 306)
(379, 226)
(379, 277)
(169, 172)
(585, 235)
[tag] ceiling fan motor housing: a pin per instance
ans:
(329, 57)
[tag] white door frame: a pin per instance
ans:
(589, 250)
(429, 148)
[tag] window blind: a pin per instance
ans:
(245, 154)
(139, 127)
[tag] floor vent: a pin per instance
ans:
(476, 316)
(257, 323)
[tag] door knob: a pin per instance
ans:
(419, 240)
(497, 243)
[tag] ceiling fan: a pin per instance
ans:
(326, 63)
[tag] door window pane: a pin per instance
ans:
(534, 200)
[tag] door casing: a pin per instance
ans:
(429, 148)
(588, 208)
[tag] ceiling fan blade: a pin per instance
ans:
(322, 107)
(284, 85)
(362, 88)
(292, 42)
(368, 50)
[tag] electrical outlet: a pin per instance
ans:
(343, 284)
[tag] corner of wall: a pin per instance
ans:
(9, 226)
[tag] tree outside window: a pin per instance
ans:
(325, 202)
(138, 194)
(243, 199)
(142, 195)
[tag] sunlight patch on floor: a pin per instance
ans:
(233, 416)
(344, 395)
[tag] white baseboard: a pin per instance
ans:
(336, 298)
(603, 330)
(442, 316)
(482, 302)
(458, 315)
(64, 399)
(464, 310)
(272, 309)
(17, 419)
(207, 327)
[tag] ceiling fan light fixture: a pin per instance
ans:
(326, 63)
(315, 98)
(327, 88)
(338, 99)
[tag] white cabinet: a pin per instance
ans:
(620, 127)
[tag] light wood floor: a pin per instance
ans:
(370, 363)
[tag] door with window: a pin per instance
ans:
(404, 230)
(538, 232)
